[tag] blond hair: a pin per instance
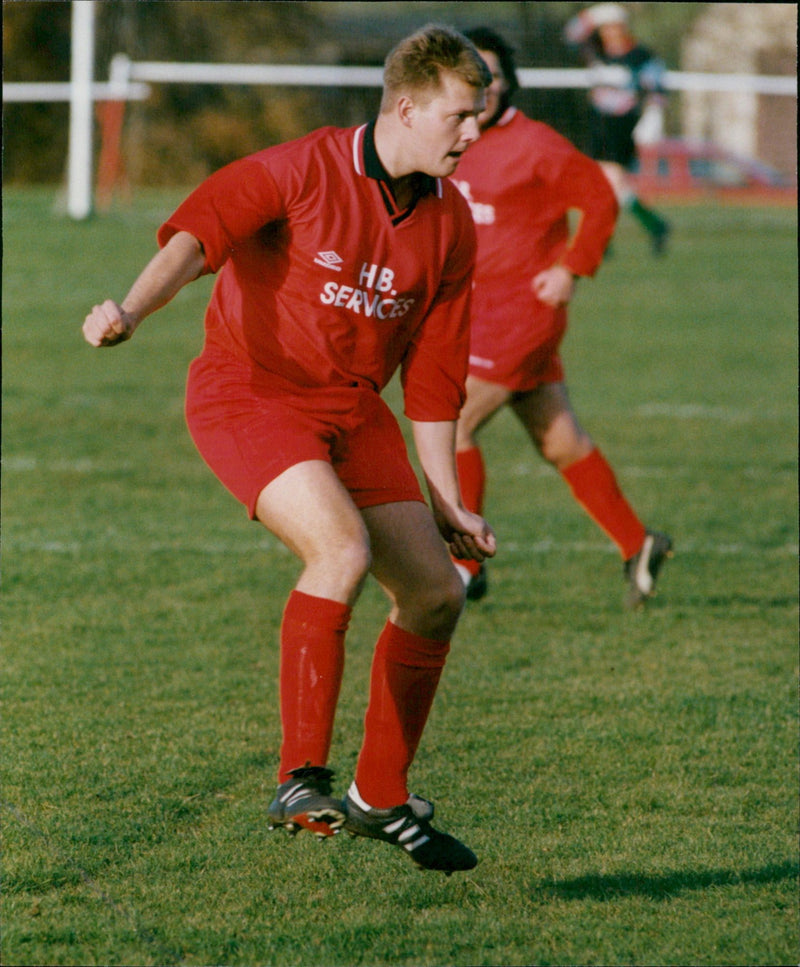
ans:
(417, 62)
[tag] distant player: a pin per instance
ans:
(342, 257)
(626, 104)
(521, 180)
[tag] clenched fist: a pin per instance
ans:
(108, 324)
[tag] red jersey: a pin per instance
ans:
(521, 179)
(323, 281)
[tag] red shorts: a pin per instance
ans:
(519, 375)
(520, 379)
(249, 430)
(519, 357)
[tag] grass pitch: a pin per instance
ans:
(629, 781)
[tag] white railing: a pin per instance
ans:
(322, 75)
(129, 80)
(43, 92)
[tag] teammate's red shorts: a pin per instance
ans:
(520, 352)
(249, 429)
(519, 373)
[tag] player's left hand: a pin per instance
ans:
(467, 535)
(554, 286)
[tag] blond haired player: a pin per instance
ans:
(341, 258)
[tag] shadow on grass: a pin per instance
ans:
(665, 886)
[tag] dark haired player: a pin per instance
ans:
(521, 180)
(342, 257)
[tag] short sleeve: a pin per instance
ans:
(228, 207)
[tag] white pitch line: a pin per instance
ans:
(684, 549)
(533, 469)
(539, 470)
(129, 545)
(696, 411)
(25, 463)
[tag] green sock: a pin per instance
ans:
(652, 222)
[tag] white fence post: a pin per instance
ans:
(79, 179)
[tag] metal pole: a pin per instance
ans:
(79, 187)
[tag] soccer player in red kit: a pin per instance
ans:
(521, 180)
(343, 256)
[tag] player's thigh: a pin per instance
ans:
(483, 400)
(411, 562)
(308, 508)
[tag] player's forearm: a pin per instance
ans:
(435, 444)
(178, 263)
(467, 535)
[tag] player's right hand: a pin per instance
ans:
(554, 286)
(108, 324)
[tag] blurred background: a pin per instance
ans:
(182, 131)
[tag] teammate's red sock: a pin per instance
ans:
(312, 661)
(472, 480)
(595, 487)
(405, 674)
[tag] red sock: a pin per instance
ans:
(405, 674)
(472, 480)
(312, 661)
(595, 487)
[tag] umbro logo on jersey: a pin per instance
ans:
(329, 260)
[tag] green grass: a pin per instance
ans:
(629, 781)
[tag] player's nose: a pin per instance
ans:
(470, 131)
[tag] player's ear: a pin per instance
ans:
(405, 109)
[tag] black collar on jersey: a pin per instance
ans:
(373, 167)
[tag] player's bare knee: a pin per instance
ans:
(455, 601)
(466, 431)
(465, 440)
(554, 453)
(564, 447)
(431, 609)
(440, 606)
(353, 558)
(347, 563)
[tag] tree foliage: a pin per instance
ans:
(182, 131)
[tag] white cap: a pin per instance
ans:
(607, 13)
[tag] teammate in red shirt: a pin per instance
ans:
(521, 180)
(342, 257)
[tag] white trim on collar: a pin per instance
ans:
(358, 137)
(508, 115)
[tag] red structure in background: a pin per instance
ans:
(111, 172)
(690, 170)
